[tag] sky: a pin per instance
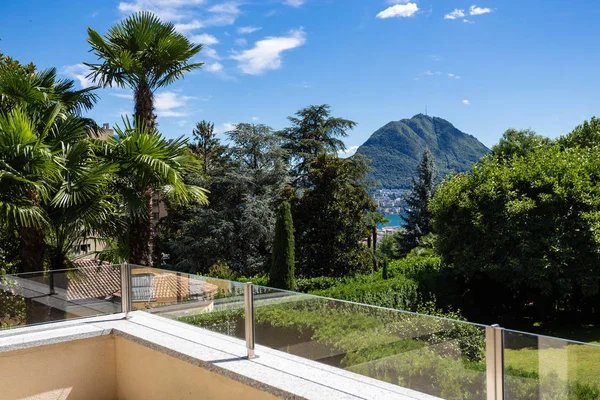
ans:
(484, 65)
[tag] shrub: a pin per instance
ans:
(399, 293)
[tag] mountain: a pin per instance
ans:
(396, 148)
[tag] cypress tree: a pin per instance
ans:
(417, 218)
(282, 263)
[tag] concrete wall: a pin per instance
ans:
(80, 369)
(145, 374)
(111, 368)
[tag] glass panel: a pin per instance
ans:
(542, 367)
(33, 298)
(214, 304)
(437, 356)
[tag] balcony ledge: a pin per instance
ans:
(274, 372)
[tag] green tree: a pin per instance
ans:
(516, 143)
(207, 147)
(144, 54)
(283, 261)
(237, 227)
(524, 231)
(416, 216)
(145, 163)
(38, 113)
(586, 135)
(313, 131)
(330, 218)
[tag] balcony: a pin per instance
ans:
(128, 332)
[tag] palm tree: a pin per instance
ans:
(144, 54)
(145, 162)
(32, 106)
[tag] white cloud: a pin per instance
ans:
(185, 28)
(455, 14)
(294, 3)
(266, 54)
(430, 73)
(182, 122)
(210, 53)
(171, 104)
(205, 39)
(255, 118)
(474, 10)
(123, 95)
(436, 58)
(466, 102)
(468, 21)
(225, 127)
(226, 8)
(453, 76)
(165, 9)
(399, 10)
(214, 67)
(350, 151)
(78, 72)
(243, 30)
(241, 42)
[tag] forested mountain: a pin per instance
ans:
(396, 148)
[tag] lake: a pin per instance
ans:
(394, 221)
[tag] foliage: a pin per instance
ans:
(518, 143)
(395, 149)
(313, 131)
(329, 218)
(144, 163)
(416, 215)
(307, 285)
(283, 262)
(208, 148)
(143, 53)
(238, 225)
(398, 293)
(524, 231)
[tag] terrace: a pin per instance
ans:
(128, 332)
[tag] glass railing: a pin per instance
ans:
(39, 297)
(441, 357)
(542, 367)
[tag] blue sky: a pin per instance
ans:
(485, 65)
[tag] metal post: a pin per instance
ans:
(494, 352)
(249, 318)
(126, 305)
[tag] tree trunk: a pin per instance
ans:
(144, 105)
(31, 248)
(141, 233)
(374, 239)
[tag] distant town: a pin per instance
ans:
(389, 201)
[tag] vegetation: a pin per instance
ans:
(282, 264)
(416, 216)
(396, 147)
(144, 54)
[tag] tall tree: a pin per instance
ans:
(35, 108)
(144, 160)
(416, 217)
(207, 147)
(330, 218)
(144, 54)
(283, 261)
(518, 143)
(313, 130)
(237, 227)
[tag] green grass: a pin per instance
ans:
(573, 362)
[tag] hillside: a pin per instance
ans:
(396, 148)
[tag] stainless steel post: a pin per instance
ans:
(249, 318)
(494, 356)
(126, 305)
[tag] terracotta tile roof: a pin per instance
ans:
(93, 283)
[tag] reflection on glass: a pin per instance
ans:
(33, 298)
(540, 367)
